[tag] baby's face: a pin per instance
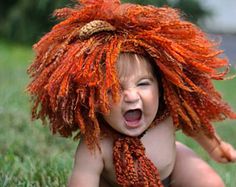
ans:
(139, 99)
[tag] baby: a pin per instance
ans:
(123, 78)
(133, 116)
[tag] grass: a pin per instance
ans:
(32, 157)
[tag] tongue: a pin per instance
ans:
(132, 115)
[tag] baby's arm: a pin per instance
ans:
(87, 167)
(219, 150)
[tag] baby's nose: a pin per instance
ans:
(130, 95)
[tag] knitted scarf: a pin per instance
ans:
(133, 168)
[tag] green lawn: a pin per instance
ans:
(31, 156)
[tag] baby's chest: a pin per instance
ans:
(162, 156)
(159, 144)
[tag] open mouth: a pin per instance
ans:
(133, 115)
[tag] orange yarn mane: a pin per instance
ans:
(71, 75)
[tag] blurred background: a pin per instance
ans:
(29, 154)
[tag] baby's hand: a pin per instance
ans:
(223, 153)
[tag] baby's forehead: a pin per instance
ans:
(133, 65)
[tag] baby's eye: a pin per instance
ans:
(144, 83)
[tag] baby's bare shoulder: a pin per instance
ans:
(106, 145)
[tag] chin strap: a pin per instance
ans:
(133, 168)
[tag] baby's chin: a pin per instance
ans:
(135, 132)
